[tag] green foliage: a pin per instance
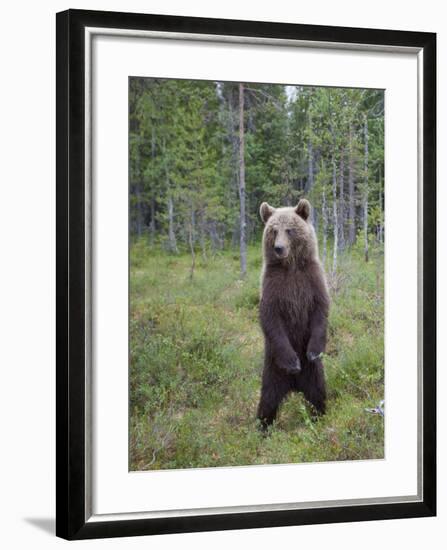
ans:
(196, 353)
(196, 345)
(184, 158)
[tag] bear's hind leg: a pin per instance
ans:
(274, 390)
(313, 385)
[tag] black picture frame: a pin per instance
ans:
(71, 517)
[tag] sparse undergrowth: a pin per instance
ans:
(196, 358)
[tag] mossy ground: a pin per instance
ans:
(196, 359)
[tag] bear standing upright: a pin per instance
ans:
(294, 309)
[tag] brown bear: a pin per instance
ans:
(294, 309)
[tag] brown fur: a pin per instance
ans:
(294, 308)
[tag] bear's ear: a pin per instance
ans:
(303, 209)
(266, 211)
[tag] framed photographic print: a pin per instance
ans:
(246, 270)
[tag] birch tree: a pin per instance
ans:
(243, 242)
(365, 189)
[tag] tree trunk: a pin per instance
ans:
(152, 224)
(202, 235)
(381, 208)
(365, 191)
(191, 240)
(325, 223)
(172, 241)
(243, 242)
(310, 176)
(334, 213)
(216, 242)
(138, 194)
(351, 190)
(310, 171)
(310, 166)
(171, 232)
(235, 165)
(341, 209)
(139, 210)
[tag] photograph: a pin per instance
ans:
(245, 273)
(256, 273)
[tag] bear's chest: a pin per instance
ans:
(294, 297)
(295, 305)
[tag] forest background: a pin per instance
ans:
(202, 157)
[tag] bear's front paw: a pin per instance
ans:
(294, 366)
(312, 356)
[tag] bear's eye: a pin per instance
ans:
(289, 231)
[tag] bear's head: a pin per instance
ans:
(289, 237)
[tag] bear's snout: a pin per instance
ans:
(281, 250)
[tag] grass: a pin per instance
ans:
(196, 361)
